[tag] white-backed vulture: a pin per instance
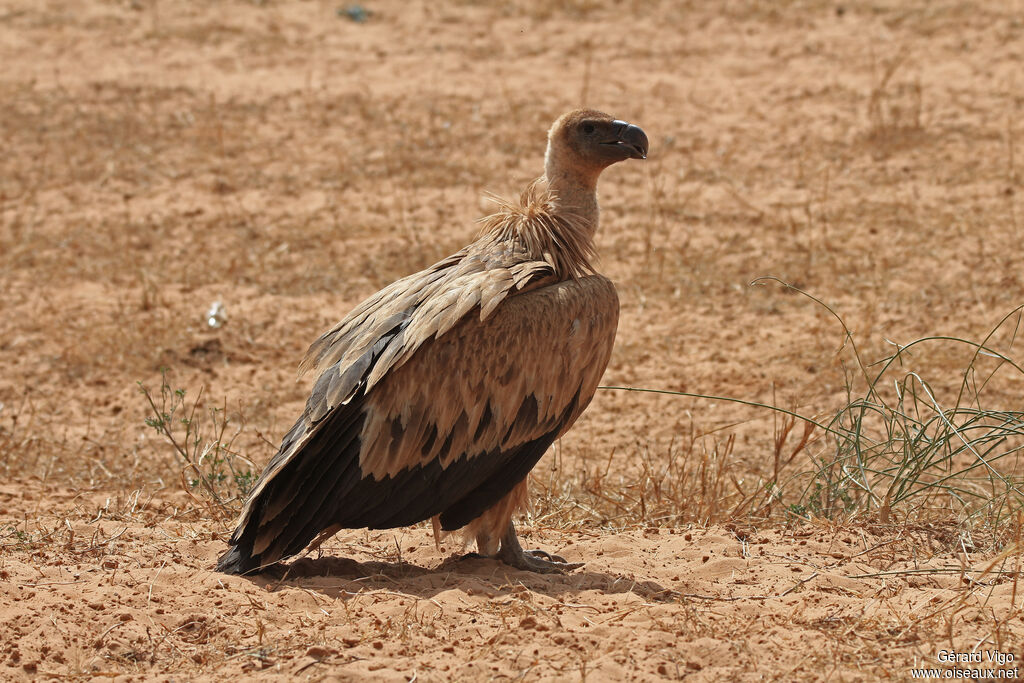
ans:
(437, 395)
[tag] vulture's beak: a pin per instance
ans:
(631, 137)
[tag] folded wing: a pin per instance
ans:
(442, 411)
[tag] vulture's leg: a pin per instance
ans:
(512, 553)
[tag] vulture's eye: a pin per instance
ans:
(588, 128)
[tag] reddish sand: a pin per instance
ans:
(288, 161)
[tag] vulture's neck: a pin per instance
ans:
(557, 229)
(573, 190)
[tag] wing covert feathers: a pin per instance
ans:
(493, 384)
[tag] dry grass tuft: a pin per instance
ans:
(202, 436)
(895, 110)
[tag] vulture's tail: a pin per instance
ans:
(292, 504)
(238, 560)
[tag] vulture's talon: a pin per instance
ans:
(545, 555)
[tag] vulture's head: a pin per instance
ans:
(590, 141)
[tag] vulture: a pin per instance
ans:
(436, 396)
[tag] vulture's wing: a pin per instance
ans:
(443, 413)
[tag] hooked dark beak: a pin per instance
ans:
(631, 137)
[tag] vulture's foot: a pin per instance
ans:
(511, 553)
(537, 561)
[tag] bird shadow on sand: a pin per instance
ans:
(341, 577)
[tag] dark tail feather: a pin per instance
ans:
(238, 561)
(301, 497)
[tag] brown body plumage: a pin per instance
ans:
(437, 395)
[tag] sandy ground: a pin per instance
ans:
(287, 161)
